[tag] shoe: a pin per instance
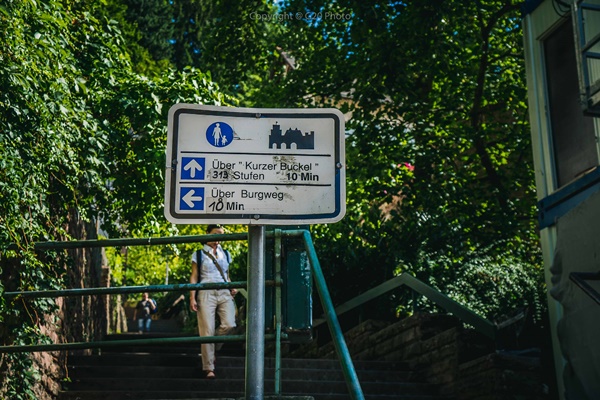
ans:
(210, 375)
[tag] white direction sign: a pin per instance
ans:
(255, 166)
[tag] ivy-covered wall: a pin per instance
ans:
(82, 139)
(63, 320)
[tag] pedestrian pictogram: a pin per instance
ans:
(219, 134)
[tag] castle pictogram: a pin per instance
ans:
(279, 140)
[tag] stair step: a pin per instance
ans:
(152, 395)
(230, 385)
(172, 371)
(157, 326)
(137, 359)
(191, 360)
(183, 347)
(235, 372)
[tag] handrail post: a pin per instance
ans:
(334, 325)
(414, 297)
(278, 317)
(255, 330)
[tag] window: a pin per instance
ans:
(573, 135)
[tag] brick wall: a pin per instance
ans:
(51, 365)
(499, 376)
(78, 319)
(440, 350)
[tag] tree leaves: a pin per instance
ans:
(438, 86)
(83, 137)
(438, 153)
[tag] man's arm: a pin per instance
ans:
(194, 279)
(228, 256)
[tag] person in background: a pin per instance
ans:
(211, 264)
(143, 313)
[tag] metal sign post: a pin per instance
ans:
(255, 331)
(255, 166)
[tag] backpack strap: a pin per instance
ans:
(216, 264)
(198, 256)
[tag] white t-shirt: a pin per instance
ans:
(208, 272)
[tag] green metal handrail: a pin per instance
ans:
(479, 323)
(129, 289)
(56, 245)
(150, 241)
(128, 342)
(334, 326)
(330, 315)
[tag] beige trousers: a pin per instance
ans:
(210, 304)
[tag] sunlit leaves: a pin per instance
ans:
(440, 86)
(82, 141)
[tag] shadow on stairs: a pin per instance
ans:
(157, 372)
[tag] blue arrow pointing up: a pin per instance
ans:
(193, 166)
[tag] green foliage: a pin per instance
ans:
(83, 138)
(134, 112)
(147, 265)
(489, 283)
(440, 178)
(229, 40)
(438, 151)
(48, 152)
(153, 20)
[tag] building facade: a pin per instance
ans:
(562, 56)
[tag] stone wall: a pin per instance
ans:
(84, 316)
(463, 363)
(498, 376)
(79, 318)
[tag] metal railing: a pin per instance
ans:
(479, 323)
(319, 279)
(580, 279)
(57, 245)
(585, 15)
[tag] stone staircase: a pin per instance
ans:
(174, 372)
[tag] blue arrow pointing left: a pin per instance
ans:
(191, 198)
